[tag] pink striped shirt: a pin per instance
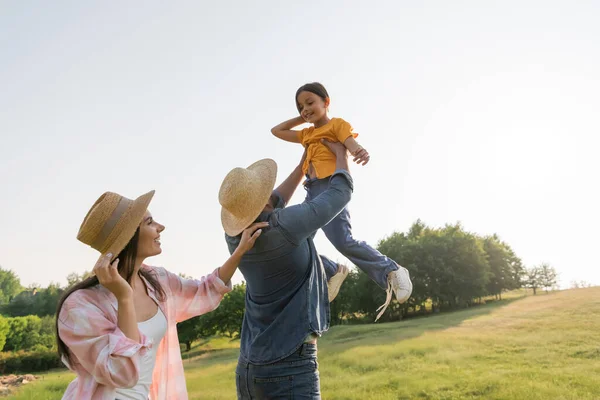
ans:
(104, 358)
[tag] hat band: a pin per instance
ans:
(111, 222)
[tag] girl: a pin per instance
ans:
(312, 102)
(117, 330)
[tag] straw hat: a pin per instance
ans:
(112, 221)
(244, 193)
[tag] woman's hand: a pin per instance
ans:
(108, 275)
(250, 235)
(247, 241)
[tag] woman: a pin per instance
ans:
(117, 330)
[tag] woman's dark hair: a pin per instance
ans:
(126, 266)
(314, 87)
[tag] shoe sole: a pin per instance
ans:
(335, 283)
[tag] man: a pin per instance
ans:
(287, 305)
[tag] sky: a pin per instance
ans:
(480, 112)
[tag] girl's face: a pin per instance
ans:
(149, 240)
(312, 107)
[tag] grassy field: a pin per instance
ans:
(539, 347)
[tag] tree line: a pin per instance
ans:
(450, 268)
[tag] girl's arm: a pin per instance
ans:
(343, 132)
(352, 145)
(284, 130)
(361, 155)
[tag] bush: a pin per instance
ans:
(4, 328)
(27, 332)
(32, 361)
(39, 348)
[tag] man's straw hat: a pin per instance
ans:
(244, 194)
(112, 221)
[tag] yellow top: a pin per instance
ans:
(317, 154)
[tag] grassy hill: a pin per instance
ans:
(539, 347)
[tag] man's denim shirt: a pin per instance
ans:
(286, 288)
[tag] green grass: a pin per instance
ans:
(50, 386)
(538, 347)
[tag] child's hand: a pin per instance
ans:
(361, 156)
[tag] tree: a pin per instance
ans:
(367, 297)
(343, 304)
(534, 279)
(230, 312)
(47, 300)
(188, 332)
(10, 285)
(21, 305)
(35, 301)
(74, 277)
(580, 284)
(226, 319)
(415, 251)
(505, 267)
(467, 270)
(451, 267)
(548, 276)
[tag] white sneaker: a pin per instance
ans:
(399, 282)
(335, 283)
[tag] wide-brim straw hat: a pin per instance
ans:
(244, 194)
(112, 221)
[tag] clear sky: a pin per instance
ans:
(479, 112)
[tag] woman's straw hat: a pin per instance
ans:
(244, 194)
(112, 221)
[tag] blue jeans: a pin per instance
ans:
(339, 232)
(294, 377)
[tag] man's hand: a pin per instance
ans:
(336, 148)
(303, 157)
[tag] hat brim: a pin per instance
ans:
(267, 169)
(132, 219)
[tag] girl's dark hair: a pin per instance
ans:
(314, 87)
(126, 266)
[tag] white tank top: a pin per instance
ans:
(155, 329)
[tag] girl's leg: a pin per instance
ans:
(370, 261)
(335, 274)
(384, 271)
(339, 232)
